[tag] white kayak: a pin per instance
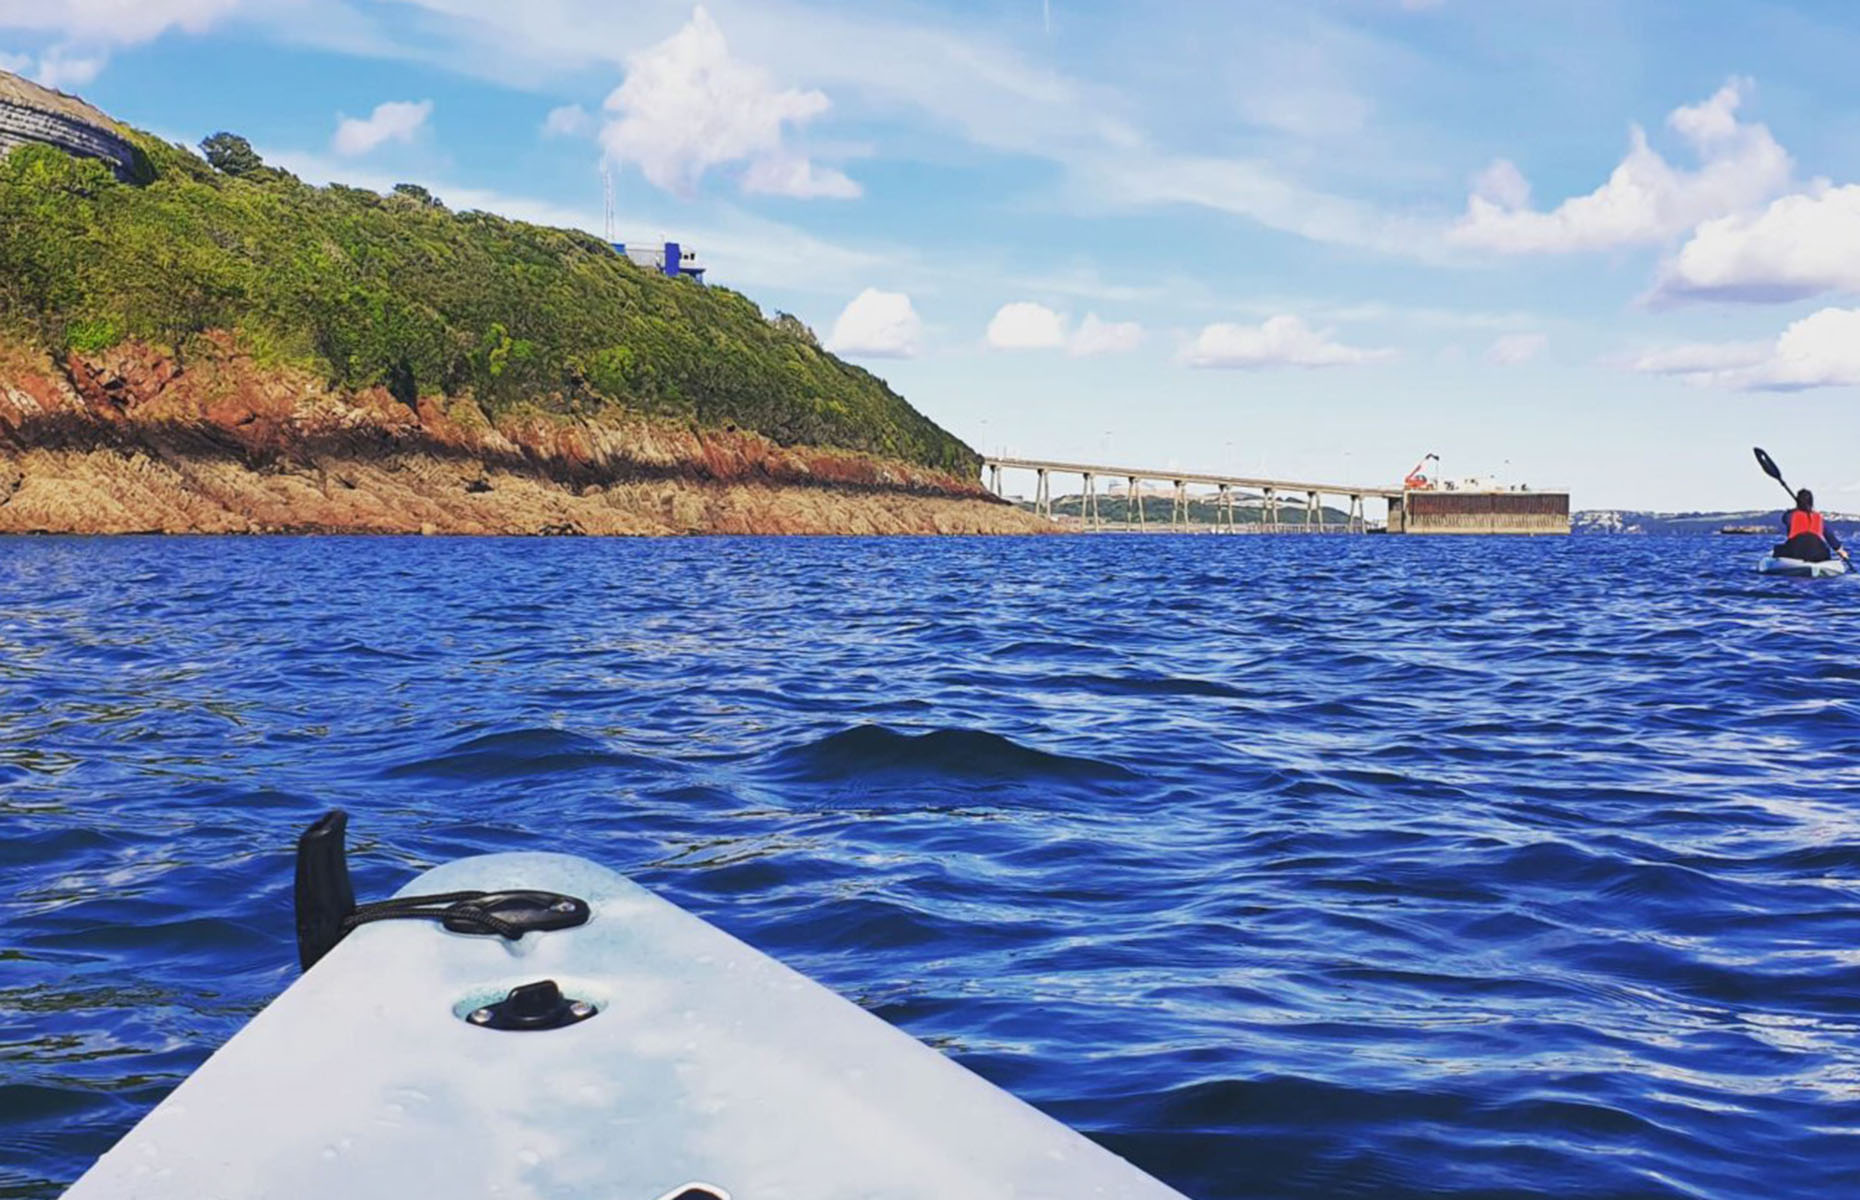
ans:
(1771, 565)
(706, 1070)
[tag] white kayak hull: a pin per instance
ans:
(707, 1062)
(1771, 565)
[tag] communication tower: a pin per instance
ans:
(607, 200)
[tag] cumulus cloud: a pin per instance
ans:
(1283, 341)
(1801, 245)
(1026, 326)
(1646, 198)
(1515, 349)
(877, 325)
(688, 105)
(568, 120)
(393, 121)
(1095, 336)
(1503, 185)
(792, 175)
(1822, 350)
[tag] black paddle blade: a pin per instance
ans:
(325, 898)
(1768, 464)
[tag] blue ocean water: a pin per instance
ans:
(1282, 866)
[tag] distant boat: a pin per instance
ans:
(1745, 530)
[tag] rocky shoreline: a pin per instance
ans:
(134, 442)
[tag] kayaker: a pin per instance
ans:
(1806, 535)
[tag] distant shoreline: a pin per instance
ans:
(1761, 521)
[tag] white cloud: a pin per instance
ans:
(114, 22)
(945, 76)
(1822, 350)
(568, 120)
(792, 175)
(1799, 246)
(1026, 326)
(877, 325)
(687, 105)
(1280, 341)
(393, 121)
(1255, 190)
(1503, 184)
(1645, 199)
(90, 28)
(60, 67)
(1515, 349)
(1094, 337)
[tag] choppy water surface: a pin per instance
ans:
(1284, 867)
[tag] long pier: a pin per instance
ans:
(1226, 486)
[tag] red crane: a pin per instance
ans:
(1419, 480)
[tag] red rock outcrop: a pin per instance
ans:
(131, 441)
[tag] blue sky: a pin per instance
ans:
(1602, 245)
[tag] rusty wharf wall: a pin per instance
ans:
(1482, 512)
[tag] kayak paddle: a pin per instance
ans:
(1773, 471)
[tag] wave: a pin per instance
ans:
(865, 751)
(521, 752)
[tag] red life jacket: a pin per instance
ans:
(1807, 522)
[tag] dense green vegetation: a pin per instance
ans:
(399, 291)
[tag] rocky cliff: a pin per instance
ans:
(210, 344)
(129, 441)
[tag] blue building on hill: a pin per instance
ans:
(669, 259)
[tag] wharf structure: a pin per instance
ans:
(30, 113)
(1484, 510)
(1430, 509)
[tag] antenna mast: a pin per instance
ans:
(607, 199)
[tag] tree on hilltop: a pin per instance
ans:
(232, 155)
(418, 195)
(794, 327)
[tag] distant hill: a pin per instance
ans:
(399, 291)
(1618, 520)
(214, 314)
